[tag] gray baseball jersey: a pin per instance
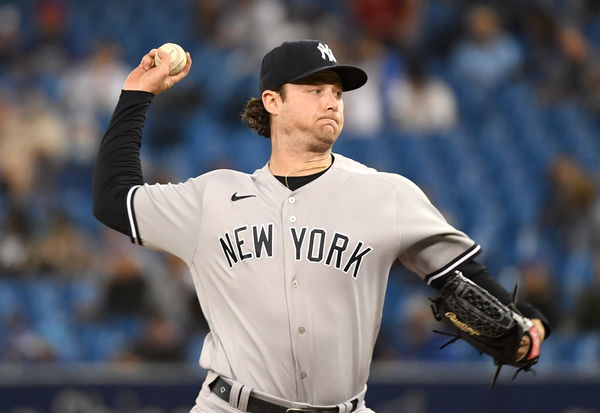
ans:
(292, 283)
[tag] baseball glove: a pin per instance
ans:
(484, 322)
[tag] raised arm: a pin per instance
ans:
(118, 171)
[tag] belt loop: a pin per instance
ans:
(244, 397)
(345, 407)
(234, 394)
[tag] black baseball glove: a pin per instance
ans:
(484, 322)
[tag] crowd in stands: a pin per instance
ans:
(492, 107)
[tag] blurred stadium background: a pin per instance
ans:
(492, 107)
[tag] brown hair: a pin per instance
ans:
(256, 116)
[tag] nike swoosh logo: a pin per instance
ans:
(235, 197)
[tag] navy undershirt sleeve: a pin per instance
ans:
(118, 166)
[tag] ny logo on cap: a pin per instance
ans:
(326, 52)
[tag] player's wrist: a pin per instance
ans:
(132, 96)
(138, 86)
(540, 327)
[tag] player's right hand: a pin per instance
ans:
(155, 79)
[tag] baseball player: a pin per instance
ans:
(290, 263)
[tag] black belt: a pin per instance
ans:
(255, 405)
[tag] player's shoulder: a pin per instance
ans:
(368, 174)
(221, 178)
(224, 175)
(218, 178)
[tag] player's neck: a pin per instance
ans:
(298, 163)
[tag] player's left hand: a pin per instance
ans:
(526, 340)
(155, 79)
(490, 326)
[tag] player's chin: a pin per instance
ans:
(325, 141)
(329, 134)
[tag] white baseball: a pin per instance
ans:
(178, 57)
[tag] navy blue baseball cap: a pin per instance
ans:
(295, 60)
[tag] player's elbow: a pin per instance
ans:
(110, 210)
(99, 211)
(100, 204)
(111, 217)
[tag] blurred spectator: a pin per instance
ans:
(246, 29)
(587, 304)
(252, 27)
(126, 291)
(539, 29)
(15, 243)
(50, 49)
(63, 248)
(174, 280)
(363, 109)
(488, 54)
(571, 208)
(23, 344)
(416, 337)
(591, 98)
(16, 167)
(385, 349)
(206, 17)
(45, 129)
(161, 343)
(88, 95)
(391, 20)
(538, 287)
(32, 143)
(420, 101)
(11, 42)
(172, 114)
(197, 318)
(571, 71)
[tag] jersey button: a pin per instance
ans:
(292, 219)
(303, 375)
(301, 330)
(295, 283)
(291, 200)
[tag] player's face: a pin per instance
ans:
(313, 109)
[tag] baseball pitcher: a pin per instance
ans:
(290, 263)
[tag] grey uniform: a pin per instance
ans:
(292, 283)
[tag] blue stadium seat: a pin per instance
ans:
(246, 150)
(194, 347)
(592, 32)
(576, 271)
(57, 329)
(11, 296)
(370, 150)
(80, 293)
(205, 143)
(101, 343)
(581, 351)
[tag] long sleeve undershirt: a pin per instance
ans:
(118, 165)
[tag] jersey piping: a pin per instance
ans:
(467, 255)
(135, 238)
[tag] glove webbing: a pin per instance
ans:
(455, 337)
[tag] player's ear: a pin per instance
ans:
(271, 101)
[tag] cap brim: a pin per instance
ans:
(352, 77)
